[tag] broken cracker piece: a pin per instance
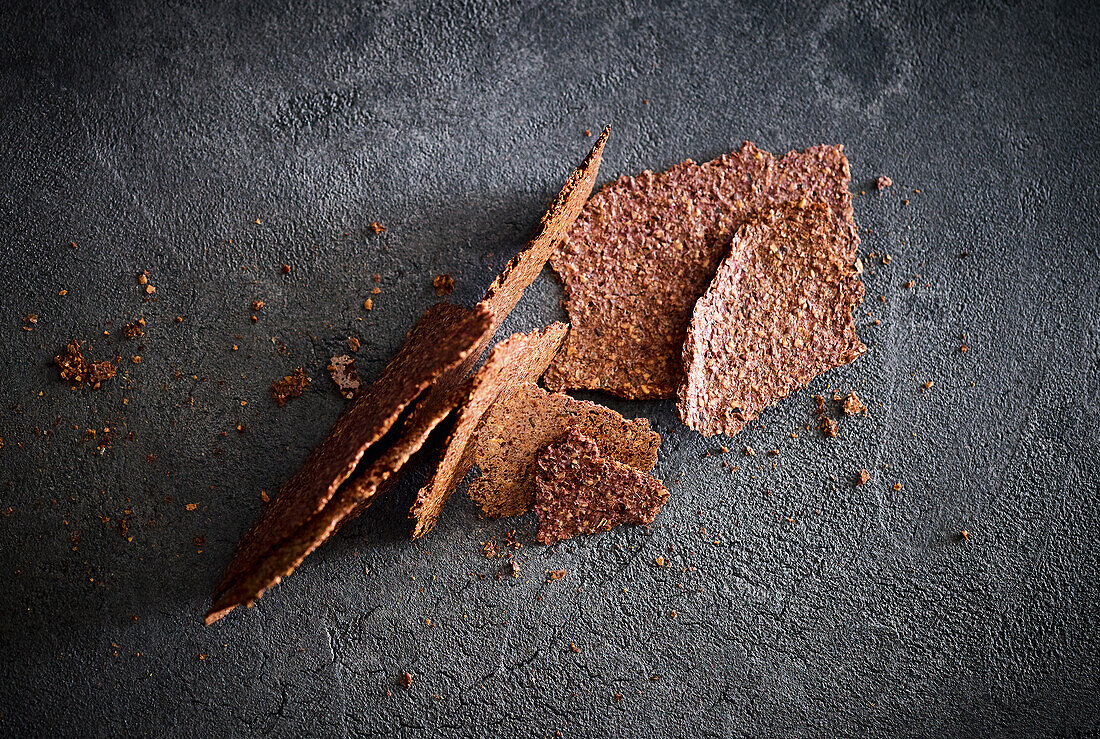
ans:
(646, 247)
(516, 361)
(523, 423)
(579, 492)
(778, 313)
(293, 524)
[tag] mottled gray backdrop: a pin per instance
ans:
(155, 137)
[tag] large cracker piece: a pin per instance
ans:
(523, 423)
(645, 248)
(579, 492)
(778, 313)
(514, 362)
(443, 337)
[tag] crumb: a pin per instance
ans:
(490, 549)
(515, 568)
(852, 404)
(378, 227)
(136, 329)
(289, 387)
(199, 541)
(965, 535)
(587, 132)
(257, 305)
(264, 496)
(574, 648)
(750, 452)
(963, 348)
(368, 304)
(406, 681)
(883, 183)
(886, 259)
(897, 486)
(928, 385)
(143, 278)
(73, 367)
(864, 476)
(32, 318)
(443, 284)
(828, 427)
(342, 371)
(286, 269)
(555, 575)
(192, 506)
(353, 343)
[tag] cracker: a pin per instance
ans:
(443, 337)
(514, 362)
(645, 248)
(579, 492)
(523, 423)
(778, 313)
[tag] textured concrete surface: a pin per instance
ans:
(804, 605)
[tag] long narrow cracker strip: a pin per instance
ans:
(645, 248)
(778, 313)
(444, 336)
(579, 492)
(516, 361)
(520, 425)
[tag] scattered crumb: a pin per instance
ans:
(864, 476)
(965, 535)
(342, 371)
(574, 648)
(587, 132)
(286, 269)
(143, 278)
(443, 284)
(515, 568)
(851, 404)
(353, 343)
(883, 183)
(963, 348)
(490, 549)
(192, 506)
(555, 575)
(264, 496)
(289, 387)
(406, 681)
(909, 285)
(257, 305)
(897, 486)
(73, 367)
(378, 227)
(136, 329)
(368, 304)
(750, 452)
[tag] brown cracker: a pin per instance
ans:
(442, 338)
(522, 423)
(645, 248)
(514, 362)
(579, 492)
(778, 313)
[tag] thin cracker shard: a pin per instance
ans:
(505, 291)
(645, 248)
(516, 361)
(443, 337)
(580, 492)
(524, 422)
(778, 313)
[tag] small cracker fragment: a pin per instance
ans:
(523, 423)
(778, 313)
(580, 492)
(645, 248)
(289, 387)
(516, 361)
(443, 285)
(853, 405)
(308, 508)
(342, 371)
(72, 366)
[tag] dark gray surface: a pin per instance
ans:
(154, 139)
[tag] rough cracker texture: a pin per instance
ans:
(440, 340)
(778, 313)
(514, 362)
(646, 247)
(520, 425)
(577, 491)
(342, 370)
(506, 290)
